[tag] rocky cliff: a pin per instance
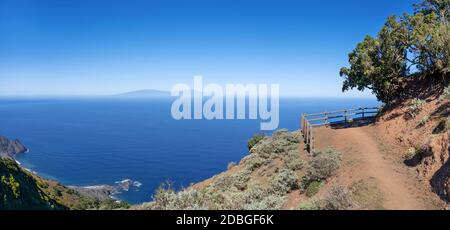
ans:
(9, 148)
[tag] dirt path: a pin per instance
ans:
(366, 161)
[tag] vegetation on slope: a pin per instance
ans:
(22, 190)
(264, 179)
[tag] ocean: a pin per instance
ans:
(87, 142)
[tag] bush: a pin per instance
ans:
(445, 94)
(254, 192)
(222, 182)
(339, 198)
(254, 162)
(166, 198)
(308, 205)
(293, 161)
(415, 107)
(410, 154)
(271, 202)
(240, 179)
(277, 146)
(323, 165)
(313, 188)
(255, 140)
(284, 181)
(423, 121)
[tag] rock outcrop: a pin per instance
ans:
(10, 148)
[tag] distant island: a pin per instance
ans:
(145, 93)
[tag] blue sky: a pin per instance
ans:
(108, 47)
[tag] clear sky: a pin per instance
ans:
(106, 47)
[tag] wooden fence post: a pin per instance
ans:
(345, 115)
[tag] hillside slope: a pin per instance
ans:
(419, 127)
(22, 190)
(399, 162)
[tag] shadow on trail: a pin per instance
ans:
(357, 122)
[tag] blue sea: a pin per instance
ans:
(87, 142)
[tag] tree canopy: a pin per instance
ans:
(406, 45)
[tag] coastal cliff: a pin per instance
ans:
(10, 148)
(21, 189)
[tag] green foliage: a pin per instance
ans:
(410, 154)
(255, 139)
(423, 121)
(323, 165)
(19, 190)
(254, 162)
(415, 107)
(278, 145)
(313, 188)
(271, 202)
(445, 94)
(111, 204)
(241, 178)
(167, 199)
(308, 205)
(269, 173)
(293, 161)
(419, 41)
(284, 181)
(339, 198)
(22, 190)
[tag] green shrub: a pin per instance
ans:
(423, 121)
(323, 165)
(313, 188)
(278, 145)
(222, 182)
(293, 161)
(339, 198)
(254, 192)
(112, 204)
(271, 202)
(255, 140)
(445, 94)
(284, 181)
(253, 162)
(241, 178)
(410, 154)
(166, 198)
(415, 107)
(308, 205)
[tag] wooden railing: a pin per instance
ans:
(309, 121)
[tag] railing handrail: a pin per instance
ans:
(307, 127)
(340, 111)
